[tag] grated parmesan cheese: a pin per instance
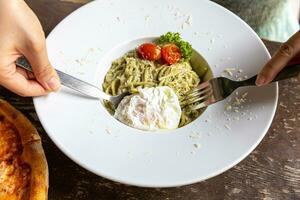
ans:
(236, 118)
(194, 136)
(189, 20)
(228, 107)
(244, 95)
(227, 126)
(108, 131)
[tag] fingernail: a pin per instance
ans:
(53, 84)
(260, 81)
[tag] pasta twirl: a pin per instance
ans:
(130, 72)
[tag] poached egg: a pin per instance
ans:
(151, 109)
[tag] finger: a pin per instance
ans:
(27, 74)
(299, 77)
(295, 60)
(45, 74)
(19, 84)
(281, 58)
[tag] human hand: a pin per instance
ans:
(21, 34)
(288, 53)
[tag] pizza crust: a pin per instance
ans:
(32, 154)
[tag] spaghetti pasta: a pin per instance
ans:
(129, 72)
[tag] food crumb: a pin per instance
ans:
(197, 146)
(229, 71)
(228, 107)
(236, 118)
(194, 136)
(189, 20)
(244, 95)
(176, 14)
(170, 7)
(227, 126)
(108, 131)
(182, 26)
(282, 105)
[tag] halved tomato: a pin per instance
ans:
(149, 51)
(171, 53)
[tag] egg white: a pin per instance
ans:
(151, 109)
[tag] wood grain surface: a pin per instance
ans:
(272, 171)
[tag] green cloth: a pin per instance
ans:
(271, 19)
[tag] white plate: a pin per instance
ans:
(84, 45)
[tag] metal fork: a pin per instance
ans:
(219, 88)
(80, 86)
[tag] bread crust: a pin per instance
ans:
(32, 151)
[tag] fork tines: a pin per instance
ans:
(199, 97)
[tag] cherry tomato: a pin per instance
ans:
(149, 51)
(171, 53)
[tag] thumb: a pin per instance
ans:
(43, 71)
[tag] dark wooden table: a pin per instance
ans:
(272, 171)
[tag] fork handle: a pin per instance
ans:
(288, 72)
